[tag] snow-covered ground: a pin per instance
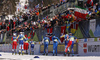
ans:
(9, 56)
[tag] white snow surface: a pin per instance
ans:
(9, 56)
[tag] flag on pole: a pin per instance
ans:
(63, 28)
(80, 12)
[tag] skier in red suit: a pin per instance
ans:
(14, 44)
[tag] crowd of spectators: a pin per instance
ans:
(60, 19)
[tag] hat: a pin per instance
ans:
(21, 32)
(14, 34)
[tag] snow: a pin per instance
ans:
(9, 56)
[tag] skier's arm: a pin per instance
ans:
(59, 40)
(24, 37)
(12, 39)
(43, 40)
(17, 37)
(62, 36)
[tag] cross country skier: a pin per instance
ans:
(66, 36)
(32, 47)
(14, 44)
(55, 44)
(46, 41)
(71, 43)
(26, 44)
(21, 38)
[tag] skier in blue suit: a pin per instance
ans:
(55, 44)
(46, 41)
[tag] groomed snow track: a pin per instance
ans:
(9, 56)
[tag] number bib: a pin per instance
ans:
(15, 40)
(47, 40)
(32, 43)
(21, 39)
(72, 39)
(55, 40)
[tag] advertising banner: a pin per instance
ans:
(60, 48)
(89, 48)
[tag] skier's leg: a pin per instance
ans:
(54, 49)
(47, 49)
(69, 44)
(72, 48)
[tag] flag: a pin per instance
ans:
(74, 27)
(63, 28)
(80, 12)
(90, 2)
(50, 30)
(50, 37)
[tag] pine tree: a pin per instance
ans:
(35, 38)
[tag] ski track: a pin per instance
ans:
(9, 56)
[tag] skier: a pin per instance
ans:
(32, 47)
(46, 41)
(55, 44)
(26, 44)
(71, 43)
(66, 36)
(21, 38)
(14, 44)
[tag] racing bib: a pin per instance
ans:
(21, 39)
(32, 43)
(55, 40)
(47, 40)
(72, 39)
(15, 40)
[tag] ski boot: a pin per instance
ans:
(64, 54)
(12, 53)
(26, 53)
(43, 54)
(53, 55)
(46, 54)
(19, 52)
(22, 52)
(56, 54)
(68, 53)
(15, 53)
(32, 53)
